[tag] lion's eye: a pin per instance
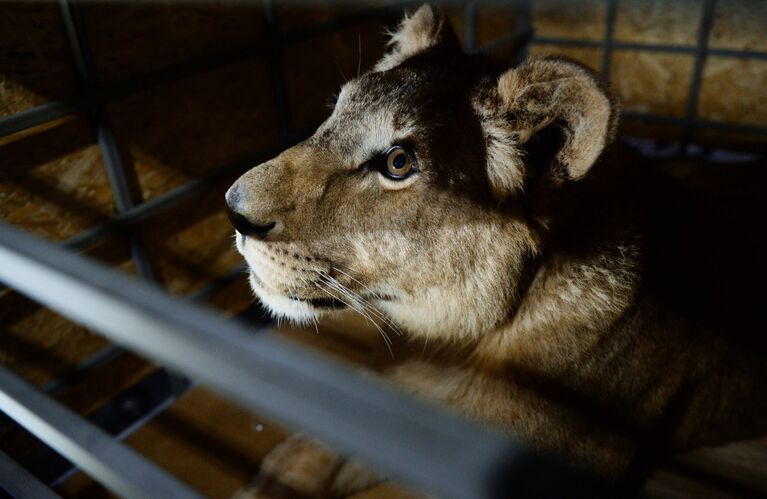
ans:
(399, 164)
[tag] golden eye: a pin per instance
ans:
(398, 163)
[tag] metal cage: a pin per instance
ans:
(404, 438)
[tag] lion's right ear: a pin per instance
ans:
(545, 117)
(422, 30)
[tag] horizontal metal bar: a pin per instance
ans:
(117, 467)
(18, 482)
(648, 47)
(165, 201)
(35, 116)
(404, 438)
(696, 124)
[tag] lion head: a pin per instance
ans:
(416, 198)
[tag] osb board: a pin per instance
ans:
(732, 90)
(35, 61)
(658, 21)
(739, 24)
(573, 19)
(130, 39)
(330, 60)
(193, 126)
(588, 56)
(651, 82)
(192, 243)
(53, 182)
(39, 344)
(494, 21)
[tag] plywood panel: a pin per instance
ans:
(574, 19)
(651, 82)
(732, 90)
(330, 61)
(35, 63)
(133, 38)
(739, 24)
(191, 127)
(658, 21)
(53, 182)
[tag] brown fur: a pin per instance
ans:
(559, 296)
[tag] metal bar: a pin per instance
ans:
(209, 290)
(18, 482)
(649, 47)
(523, 28)
(607, 43)
(58, 109)
(707, 19)
(740, 54)
(119, 417)
(78, 372)
(110, 152)
(165, 201)
(406, 439)
(117, 467)
(55, 110)
(702, 124)
(470, 25)
(144, 211)
(35, 116)
(566, 41)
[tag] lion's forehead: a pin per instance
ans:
(371, 114)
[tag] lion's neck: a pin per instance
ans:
(570, 304)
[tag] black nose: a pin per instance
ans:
(248, 228)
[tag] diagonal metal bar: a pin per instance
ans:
(407, 439)
(470, 25)
(117, 467)
(35, 116)
(18, 482)
(105, 138)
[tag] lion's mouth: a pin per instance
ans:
(323, 303)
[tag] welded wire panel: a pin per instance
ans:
(117, 467)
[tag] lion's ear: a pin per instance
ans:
(417, 32)
(545, 117)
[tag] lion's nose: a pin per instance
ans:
(240, 221)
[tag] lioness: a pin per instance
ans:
(558, 297)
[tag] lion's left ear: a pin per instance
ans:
(422, 30)
(545, 117)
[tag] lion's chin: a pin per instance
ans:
(294, 309)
